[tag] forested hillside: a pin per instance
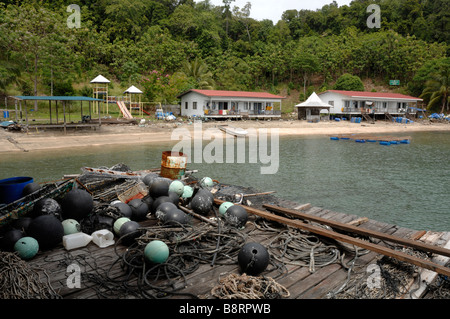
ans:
(168, 46)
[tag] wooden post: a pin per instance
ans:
(50, 110)
(57, 116)
(64, 110)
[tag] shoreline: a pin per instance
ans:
(162, 132)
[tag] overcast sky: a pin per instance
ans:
(273, 9)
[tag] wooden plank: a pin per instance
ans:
(350, 240)
(359, 231)
(359, 221)
(427, 276)
(313, 280)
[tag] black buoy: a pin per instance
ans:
(22, 223)
(158, 201)
(236, 216)
(148, 200)
(76, 204)
(47, 206)
(163, 209)
(202, 202)
(175, 217)
(149, 178)
(129, 231)
(124, 209)
(253, 258)
(10, 238)
(158, 188)
(174, 197)
(30, 188)
(139, 209)
(47, 230)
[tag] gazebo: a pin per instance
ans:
(134, 103)
(311, 108)
(100, 88)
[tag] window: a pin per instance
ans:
(346, 103)
(194, 105)
(385, 105)
(245, 105)
(331, 103)
(186, 105)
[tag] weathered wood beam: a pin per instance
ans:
(360, 231)
(348, 239)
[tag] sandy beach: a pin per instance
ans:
(113, 134)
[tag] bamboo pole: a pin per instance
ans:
(347, 239)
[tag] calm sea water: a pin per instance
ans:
(406, 185)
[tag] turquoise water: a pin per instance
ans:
(406, 185)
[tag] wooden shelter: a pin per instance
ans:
(100, 89)
(62, 101)
(133, 98)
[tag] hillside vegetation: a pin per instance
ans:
(168, 46)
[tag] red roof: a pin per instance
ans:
(375, 95)
(242, 94)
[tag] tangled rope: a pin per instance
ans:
(18, 280)
(291, 246)
(388, 278)
(243, 286)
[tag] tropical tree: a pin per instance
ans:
(437, 90)
(197, 71)
(348, 82)
(9, 71)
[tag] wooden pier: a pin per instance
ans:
(353, 273)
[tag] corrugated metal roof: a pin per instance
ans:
(236, 94)
(56, 98)
(375, 95)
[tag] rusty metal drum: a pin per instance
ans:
(173, 165)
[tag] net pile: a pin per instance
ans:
(18, 280)
(243, 286)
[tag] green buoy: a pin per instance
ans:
(224, 206)
(26, 247)
(156, 252)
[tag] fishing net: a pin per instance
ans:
(19, 280)
(235, 286)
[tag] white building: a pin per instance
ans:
(217, 104)
(353, 103)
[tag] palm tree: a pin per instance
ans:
(437, 90)
(198, 71)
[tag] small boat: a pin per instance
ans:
(235, 131)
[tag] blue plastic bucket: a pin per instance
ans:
(11, 188)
